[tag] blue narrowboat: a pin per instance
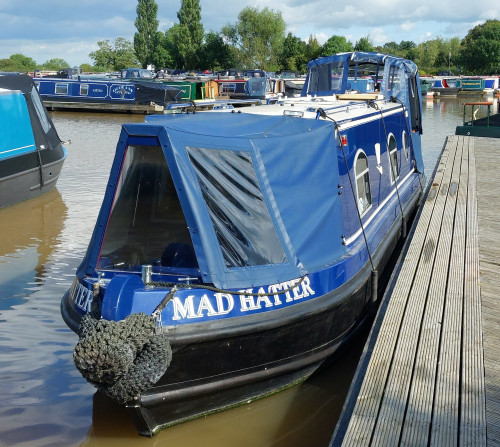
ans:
(31, 153)
(106, 91)
(253, 240)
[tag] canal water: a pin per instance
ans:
(43, 399)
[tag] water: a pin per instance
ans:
(43, 399)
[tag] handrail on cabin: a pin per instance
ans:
(477, 103)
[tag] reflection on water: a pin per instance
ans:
(304, 415)
(30, 230)
(43, 399)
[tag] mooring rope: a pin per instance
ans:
(403, 217)
(125, 358)
(411, 145)
(218, 290)
(122, 358)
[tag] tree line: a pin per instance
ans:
(258, 40)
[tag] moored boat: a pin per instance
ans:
(486, 125)
(31, 153)
(254, 238)
(446, 85)
(426, 86)
(102, 91)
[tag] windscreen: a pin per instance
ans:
(236, 206)
(326, 78)
(147, 224)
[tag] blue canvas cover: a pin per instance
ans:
(403, 84)
(326, 76)
(271, 181)
(336, 74)
(14, 116)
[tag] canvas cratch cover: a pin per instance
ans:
(259, 194)
(161, 94)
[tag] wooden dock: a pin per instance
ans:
(147, 109)
(430, 371)
(143, 109)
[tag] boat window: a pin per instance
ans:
(365, 70)
(146, 224)
(326, 77)
(236, 206)
(364, 195)
(84, 89)
(394, 79)
(393, 158)
(406, 145)
(62, 89)
(415, 112)
(40, 110)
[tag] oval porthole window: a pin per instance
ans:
(406, 146)
(364, 195)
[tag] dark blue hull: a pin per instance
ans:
(267, 353)
(106, 91)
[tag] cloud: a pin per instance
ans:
(70, 30)
(378, 36)
(407, 26)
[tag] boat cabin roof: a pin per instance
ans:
(259, 194)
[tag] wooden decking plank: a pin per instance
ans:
(419, 412)
(365, 413)
(434, 374)
(445, 418)
(444, 429)
(472, 432)
(487, 154)
(369, 396)
(413, 372)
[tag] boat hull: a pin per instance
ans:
(260, 257)
(29, 183)
(213, 370)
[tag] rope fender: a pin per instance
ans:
(121, 358)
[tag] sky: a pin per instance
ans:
(70, 30)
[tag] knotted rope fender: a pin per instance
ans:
(122, 358)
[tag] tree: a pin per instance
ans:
(87, 68)
(426, 55)
(313, 48)
(112, 57)
(189, 35)
(480, 49)
(334, 45)
(293, 56)
(55, 64)
(364, 44)
(170, 45)
(146, 38)
(18, 62)
(408, 49)
(161, 57)
(390, 48)
(258, 36)
(216, 54)
(125, 56)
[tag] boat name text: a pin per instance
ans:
(82, 297)
(224, 303)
